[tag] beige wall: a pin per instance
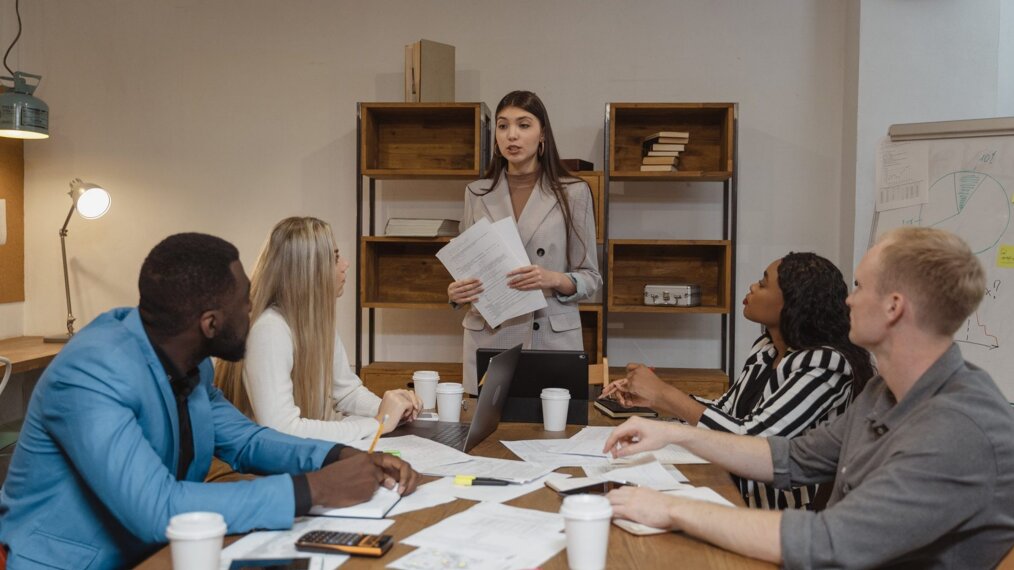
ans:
(224, 116)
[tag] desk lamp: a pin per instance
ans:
(92, 202)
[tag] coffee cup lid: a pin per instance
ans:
(555, 393)
(195, 526)
(450, 388)
(426, 375)
(586, 507)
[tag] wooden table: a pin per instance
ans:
(625, 550)
(28, 352)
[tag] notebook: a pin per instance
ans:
(486, 417)
(614, 409)
(383, 501)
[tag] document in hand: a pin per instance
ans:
(489, 251)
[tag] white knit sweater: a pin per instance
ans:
(267, 376)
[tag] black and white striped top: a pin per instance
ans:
(808, 387)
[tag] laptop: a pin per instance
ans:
(538, 369)
(486, 417)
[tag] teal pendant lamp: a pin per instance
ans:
(22, 114)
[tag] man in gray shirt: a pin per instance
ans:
(923, 460)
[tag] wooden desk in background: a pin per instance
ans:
(625, 550)
(28, 352)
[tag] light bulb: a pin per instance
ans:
(94, 203)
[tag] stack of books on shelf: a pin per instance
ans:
(418, 227)
(661, 151)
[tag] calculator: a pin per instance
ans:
(354, 543)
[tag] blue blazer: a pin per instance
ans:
(92, 484)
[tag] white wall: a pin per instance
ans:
(934, 60)
(225, 116)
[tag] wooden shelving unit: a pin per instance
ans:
(405, 141)
(710, 156)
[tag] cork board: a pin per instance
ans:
(12, 189)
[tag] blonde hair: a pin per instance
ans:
(295, 275)
(937, 270)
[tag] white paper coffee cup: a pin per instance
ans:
(195, 540)
(425, 382)
(586, 521)
(555, 402)
(449, 396)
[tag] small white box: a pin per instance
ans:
(675, 295)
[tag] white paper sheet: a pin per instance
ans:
(419, 452)
(482, 252)
(497, 535)
(538, 451)
(505, 469)
(589, 443)
(462, 558)
(650, 474)
(494, 493)
(902, 172)
(282, 543)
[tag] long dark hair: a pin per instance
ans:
(814, 312)
(553, 170)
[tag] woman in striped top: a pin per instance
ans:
(802, 370)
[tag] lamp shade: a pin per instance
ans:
(91, 200)
(22, 114)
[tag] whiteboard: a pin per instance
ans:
(970, 189)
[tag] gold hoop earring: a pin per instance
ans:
(542, 147)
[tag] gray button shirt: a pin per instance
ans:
(927, 482)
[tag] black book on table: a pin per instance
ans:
(614, 409)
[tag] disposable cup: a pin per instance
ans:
(586, 521)
(449, 396)
(555, 402)
(195, 540)
(426, 387)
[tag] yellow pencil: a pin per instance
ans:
(380, 429)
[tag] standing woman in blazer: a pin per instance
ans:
(553, 211)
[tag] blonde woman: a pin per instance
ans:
(296, 376)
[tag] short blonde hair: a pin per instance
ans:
(937, 270)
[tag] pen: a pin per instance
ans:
(472, 481)
(380, 429)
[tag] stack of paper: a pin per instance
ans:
(489, 252)
(489, 536)
(418, 227)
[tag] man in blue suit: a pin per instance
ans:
(121, 429)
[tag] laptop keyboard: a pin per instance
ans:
(452, 435)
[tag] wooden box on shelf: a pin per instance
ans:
(594, 180)
(424, 140)
(635, 263)
(403, 273)
(704, 382)
(708, 154)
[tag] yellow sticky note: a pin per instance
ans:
(1005, 256)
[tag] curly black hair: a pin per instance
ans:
(814, 312)
(183, 276)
